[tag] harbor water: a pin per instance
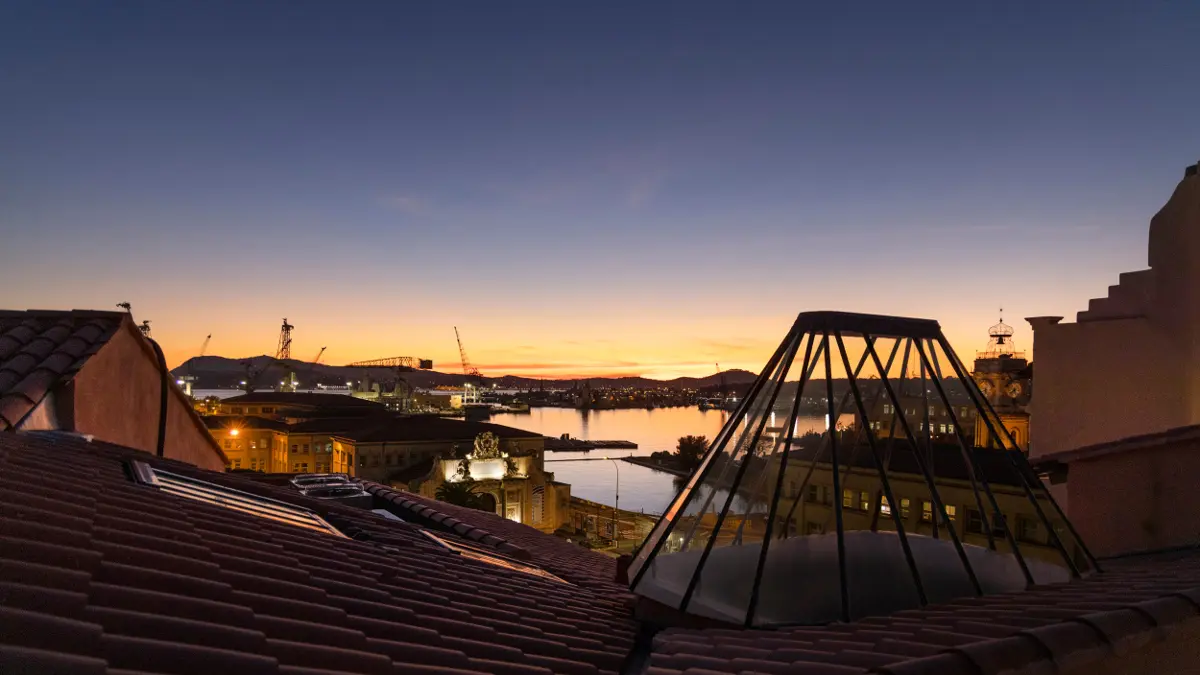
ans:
(642, 489)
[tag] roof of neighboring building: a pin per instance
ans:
(301, 399)
(1043, 629)
(219, 422)
(1139, 442)
(339, 425)
(42, 349)
(103, 574)
(431, 428)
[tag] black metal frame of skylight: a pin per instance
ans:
(822, 334)
(231, 498)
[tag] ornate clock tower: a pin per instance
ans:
(1006, 379)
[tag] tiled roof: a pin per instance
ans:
(219, 422)
(41, 349)
(101, 574)
(1041, 630)
(301, 398)
(337, 425)
(572, 562)
(431, 428)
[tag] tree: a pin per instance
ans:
(461, 493)
(690, 451)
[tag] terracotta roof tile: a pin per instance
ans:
(156, 583)
(43, 349)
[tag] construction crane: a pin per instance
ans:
(317, 358)
(189, 379)
(468, 369)
(284, 350)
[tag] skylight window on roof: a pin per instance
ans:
(234, 500)
(492, 558)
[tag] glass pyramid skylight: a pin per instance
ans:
(855, 480)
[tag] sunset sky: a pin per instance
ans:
(599, 188)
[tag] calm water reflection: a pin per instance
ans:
(653, 430)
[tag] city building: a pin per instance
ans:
(250, 442)
(1005, 378)
(1130, 363)
(422, 453)
(94, 373)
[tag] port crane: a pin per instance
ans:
(282, 351)
(468, 370)
(189, 379)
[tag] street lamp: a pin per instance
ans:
(616, 501)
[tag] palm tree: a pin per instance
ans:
(461, 493)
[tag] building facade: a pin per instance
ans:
(1005, 378)
(94, 373)
(1130, 363)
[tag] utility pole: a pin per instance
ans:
(616, 502)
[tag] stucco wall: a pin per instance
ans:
(1140, 500)
(1100, 381)
(117, 399)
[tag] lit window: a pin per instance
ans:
(234, 500)
(864, 501)
(483, 555)
(942, 428)
(926, 512)
(905, 507)
(847, 499)
(253, 445)
(952, 512)
(884, 507)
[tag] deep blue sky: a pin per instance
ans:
(663, 184)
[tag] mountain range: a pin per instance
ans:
(218, 372)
